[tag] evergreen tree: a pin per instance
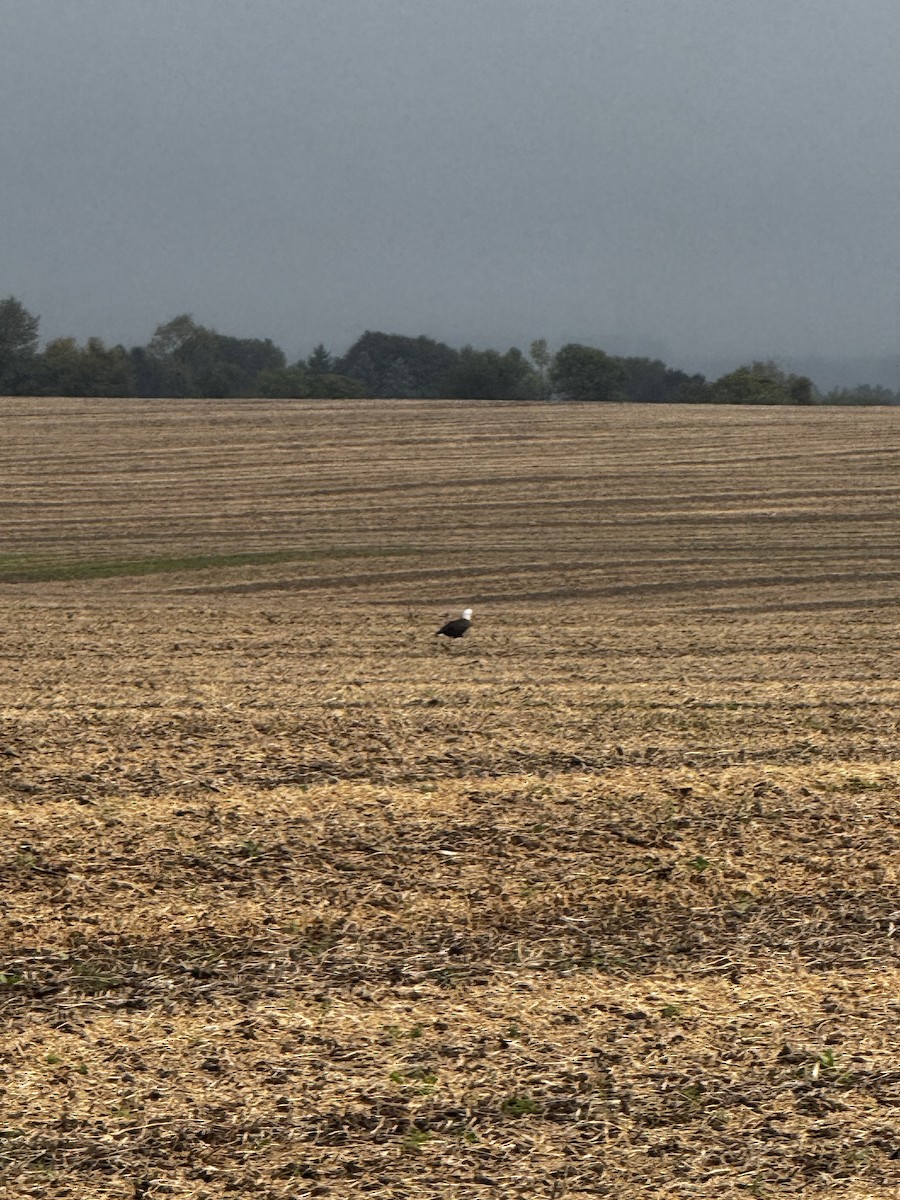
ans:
(320, 361)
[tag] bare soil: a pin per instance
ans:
(601, 900)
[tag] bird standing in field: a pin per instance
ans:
(458, 627)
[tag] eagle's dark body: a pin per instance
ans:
(457, 627)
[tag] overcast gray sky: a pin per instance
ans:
(693, 179)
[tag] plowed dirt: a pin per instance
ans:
(601, 900)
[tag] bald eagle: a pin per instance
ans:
(458, 627)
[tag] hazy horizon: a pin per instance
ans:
(687, 181)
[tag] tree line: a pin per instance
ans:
(185, 359)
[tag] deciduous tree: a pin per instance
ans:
(543, 360)
(762, 383)
(67, 369)
(18, 343)
(584, 373)
(487, 375)
(373, 359)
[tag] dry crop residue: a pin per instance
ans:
(601, 900)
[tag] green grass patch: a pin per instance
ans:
(520, 1106)
(26, 568)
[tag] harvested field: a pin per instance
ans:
(600, 901)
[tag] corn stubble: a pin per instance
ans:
(601, 900)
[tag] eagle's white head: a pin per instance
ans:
(467, 614)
